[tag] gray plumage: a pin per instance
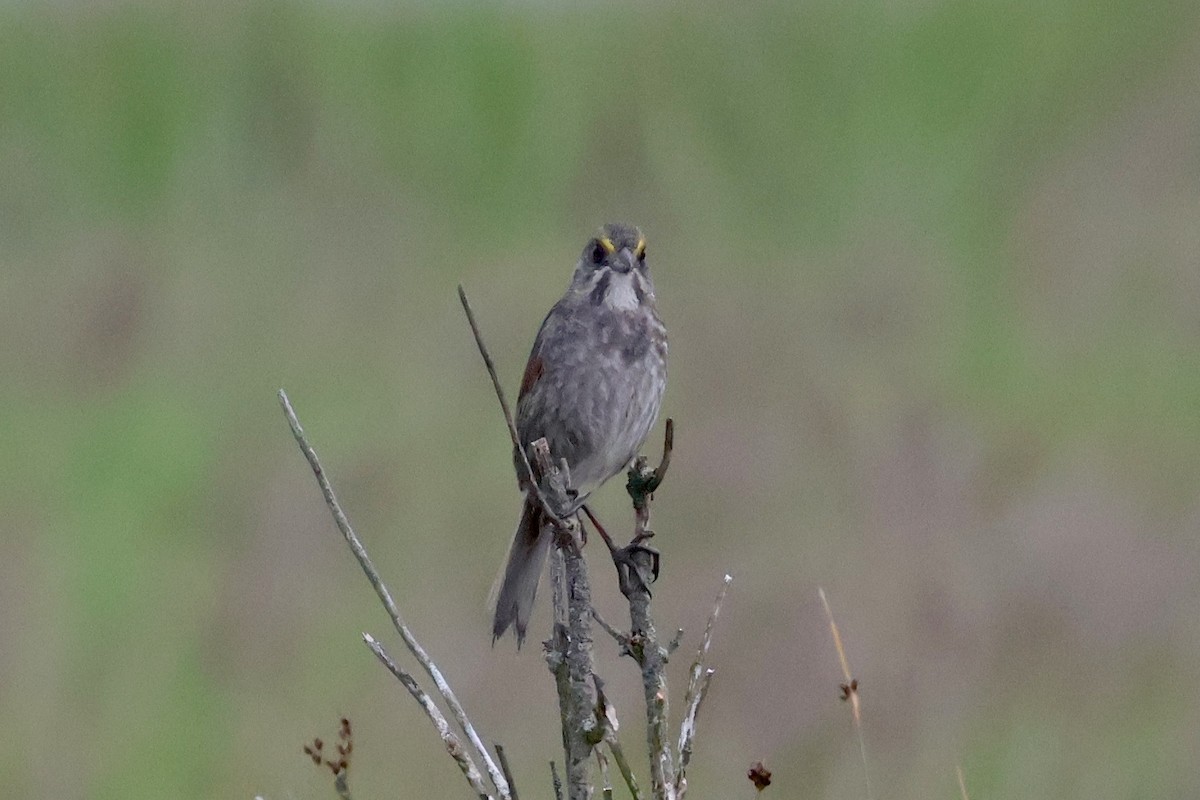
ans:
(592, 387)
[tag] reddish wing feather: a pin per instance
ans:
(533, 371)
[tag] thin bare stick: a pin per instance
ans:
(606, 713)
(668, 447)
(614, 746)
(687, 729)
(504, 765)
(528, 477)
(962, 783)
(849, 690)
(556, 781)
(381, 590)
(453, 745)
(620, 638)
(570, 655)
(606, 790)
(706, 640)
(698, 681)
(676, 640)
(491, 368)
(841, 652)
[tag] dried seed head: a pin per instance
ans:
(759, 775)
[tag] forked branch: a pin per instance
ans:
(569, 650)
(498, 780)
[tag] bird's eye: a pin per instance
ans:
(642, 256)
(598, 253)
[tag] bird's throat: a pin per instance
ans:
(624, 292)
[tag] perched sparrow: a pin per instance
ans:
(593, 387)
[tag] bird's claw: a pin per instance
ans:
(637, 565)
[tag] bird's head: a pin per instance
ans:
(612, 270)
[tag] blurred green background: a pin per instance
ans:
(930, 270)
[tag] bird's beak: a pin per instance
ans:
(624, 261)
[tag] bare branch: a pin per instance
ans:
(573, 671)
(706, 640)
(640, 568)
(551, 512)
(504, 765)
(676, 640)
(381, 590)
(620, 638)
(687, 729)
(570, 654)
(606, 790)
(606, 714)
(453, 745)
(660, 472)
(556, 781)
(614, 745)
(962, 783)
(698, 681)
(849, 689)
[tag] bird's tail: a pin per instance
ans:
(518, 583)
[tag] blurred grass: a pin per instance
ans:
(930, 274)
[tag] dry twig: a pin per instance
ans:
(504, 765)
(620, 638)
(554, 779)
(551, 511)
(453, 745)
(606, 713)
(698, 681)
(381, 590)
(570, 656)
(849, 690)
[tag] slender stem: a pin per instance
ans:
(381, 590)
(453, 745)
(504, 765)
(620, 638)
(614, 745)
(849, 690)
(962, 783)
(606, 784)
(554, 779)
(571, 659)
(698, 681)
(527, 479)
(606, 715)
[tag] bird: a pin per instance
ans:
(593, 387)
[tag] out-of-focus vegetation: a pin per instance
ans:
(930, 270)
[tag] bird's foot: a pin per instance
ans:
(637, 564)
